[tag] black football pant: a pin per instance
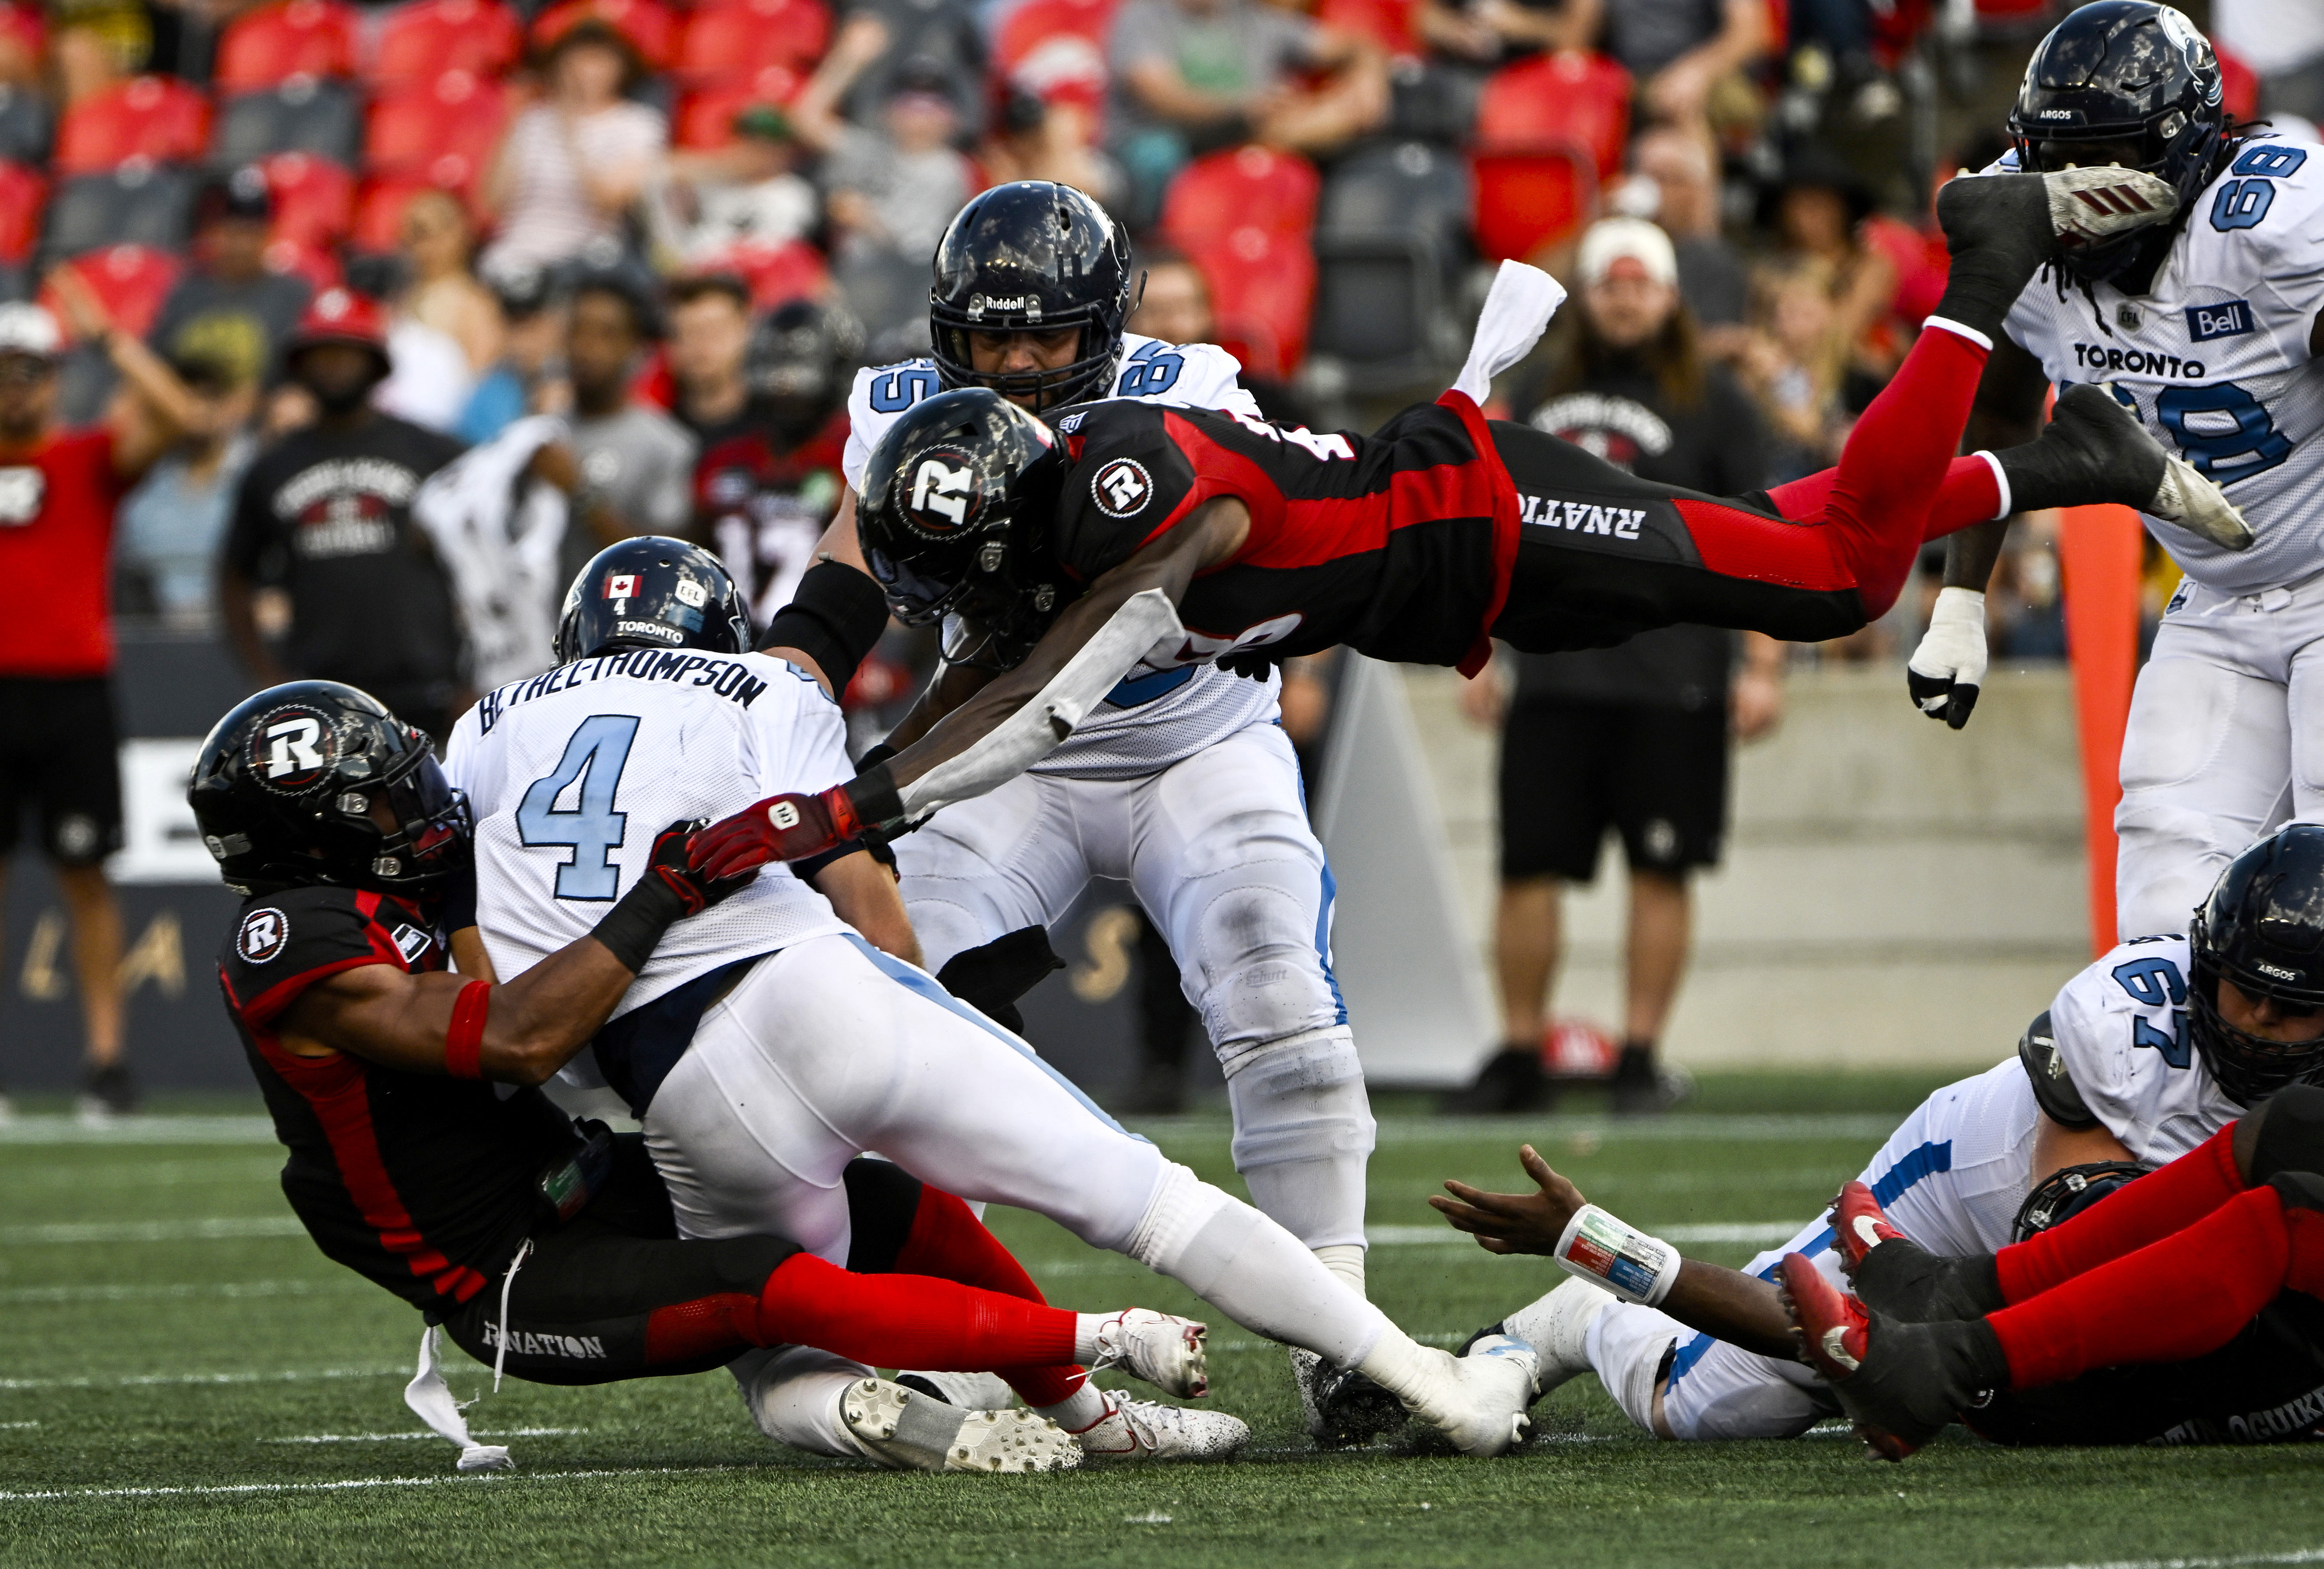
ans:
(607, 1295)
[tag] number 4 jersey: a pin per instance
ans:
(2214, 357)
(2120, 1054)
(572, 773)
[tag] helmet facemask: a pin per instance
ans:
(1082, 378)
(2247, 1068)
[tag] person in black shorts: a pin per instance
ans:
(1635, 737)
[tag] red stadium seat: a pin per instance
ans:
(285, 39)
(1057, 47)
(314, 198)
(131, 280)
(420, 42)
(732, 39)
(1569, 99)
(155, 118)
(1249, 188)
(1387, 22)
(778, 274)
(1528, 201)
(442, 132)
(379, 211)
(317, 264)
(705, 118)
(22, 196)
(1262, 291)
(648, 24)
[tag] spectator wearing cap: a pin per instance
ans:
(1191, 76)
(326, 515)
(636, 463)
(438, 242)
(569, 168)
(172, 524)
(1633, 739)
(530, 378)
(58, 491)
(749, 192)
(890, 190)
(229, 309)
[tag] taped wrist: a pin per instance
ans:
(1607, 1250)
(834, 618)
(871, 796)
(634, 925)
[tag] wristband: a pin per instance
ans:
(464, 1041)
(834, 617)
(1606, 1251)
(633, 927)
(871, 796)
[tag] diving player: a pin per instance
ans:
(2208, 327)
(2144, 1056)
(768, 1045)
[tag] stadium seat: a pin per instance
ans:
(1568, 99)
(1389, 237)
(139, 203)
(314, 198)
(1430, 101)
(154, 117)
(25, 126)
(729, 40)
(1526, 201)
(1387, 22)
(443, 132)
(317, 264)
(23, 197)
(420, 42)
(1249, 188)
(1057, 49)
(379, 211)
(303, 114)
(705, 117)
(1405, 187)
(1262, 291)
(778, 274)
(267, 46)
(131, 280)
(648, 24)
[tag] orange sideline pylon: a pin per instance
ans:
(2099, 558)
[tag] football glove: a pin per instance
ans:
(696, 891)
(1944, 673)
(794, 827)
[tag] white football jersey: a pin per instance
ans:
(2123, 1037)
(572, 773)
(2215, 358)
(1150, 721)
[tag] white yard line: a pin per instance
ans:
(222, 1228)
(29, 1296)
(65, 1129)
(235, 1489)
(1765, 1232)
(2289, 1555)
(434, 1437)
(144, 1380)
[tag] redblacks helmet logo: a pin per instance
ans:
(942, 491)
(291, 748)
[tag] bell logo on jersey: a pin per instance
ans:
(291, 749)
(944, 492)
(2228, 318)
(620, 585)
(1123, 488)
(263, 935)
(22, 491)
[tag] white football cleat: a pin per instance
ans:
(969, 1391)
(2197, 505)
(2088, 205)
(915, 1432)
(1557, 1328)
(1163, 1349)
(1479, 1406)
(1149, 1430)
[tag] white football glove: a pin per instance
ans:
(1946, 670)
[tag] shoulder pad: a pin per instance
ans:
(2054, 1087)
(284, 942)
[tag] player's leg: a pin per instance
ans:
(981, 868)
(2206, 757)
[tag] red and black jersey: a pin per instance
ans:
(423, 1183)
(1400, 543)
(764, 506)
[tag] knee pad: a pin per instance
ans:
(2291, 1135)
(1300, 1098)
(1261, 975)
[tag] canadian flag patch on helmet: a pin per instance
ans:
(620, 585)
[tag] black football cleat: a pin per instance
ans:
(2093, 450)
(1511, 1081)
(1900, 1279)
(1901, 1383)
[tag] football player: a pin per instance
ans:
(2208, 328)
(2145, 1056)
(423, 1157)
(767, 1044)
(1179, 782)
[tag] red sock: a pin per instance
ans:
(1969, 495)
(910, 1321)
(947, 1240)
(2167, 1302)
(2131, 1217)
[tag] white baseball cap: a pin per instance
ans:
(1610, 240)
(28, 329)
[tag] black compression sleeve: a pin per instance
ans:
(836, 616)
(633, 927)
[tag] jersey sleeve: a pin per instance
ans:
(877, 396)
(284, 943)
(861, 430)
(2120, 1034)
(2290, 234)
(1130, 481)
(800, 738)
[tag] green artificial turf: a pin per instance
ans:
(174, 1351)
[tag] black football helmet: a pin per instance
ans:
(313, 781)
(801, 359)
(2262, 928)
(2067, 1192)
(954, 524)
(1032, 256)
(2127, 82)
(653, 592)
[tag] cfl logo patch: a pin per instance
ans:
(784, 815)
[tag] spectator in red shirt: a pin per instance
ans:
(58, 736)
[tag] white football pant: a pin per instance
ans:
(2218, 755)
(1218, 849)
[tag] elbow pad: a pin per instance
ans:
(1051, 714)
(2054, 1087)
(834, 618)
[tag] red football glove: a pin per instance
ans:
(668, 863)
(786, 828)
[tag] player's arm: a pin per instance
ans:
(2057, 1147)
(864, 894)
(835, 615)
(1947, 670)
(917, 780)
(948, 690)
